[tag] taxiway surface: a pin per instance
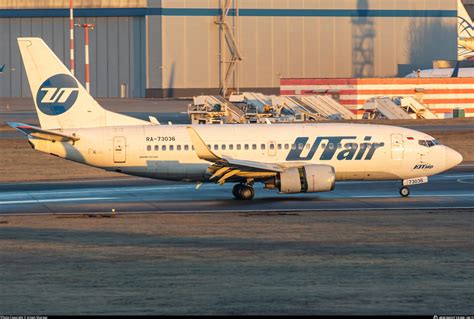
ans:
(453, 189)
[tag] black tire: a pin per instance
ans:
(246, 192)
(236, 190)
(404, 191)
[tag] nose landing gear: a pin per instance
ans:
(404, 191)
(243, 191)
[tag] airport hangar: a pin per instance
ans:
(161, 48)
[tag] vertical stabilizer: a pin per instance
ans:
(60, 99)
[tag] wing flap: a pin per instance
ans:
(204, 153)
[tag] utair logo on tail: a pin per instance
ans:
(57, 94)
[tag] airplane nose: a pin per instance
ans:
(453, 158)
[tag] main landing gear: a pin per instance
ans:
(243, 191)
(404, 191)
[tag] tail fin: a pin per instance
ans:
(60, 99)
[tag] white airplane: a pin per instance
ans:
(291, 158)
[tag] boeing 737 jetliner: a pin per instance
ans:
(290, 158)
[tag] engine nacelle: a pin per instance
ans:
(307, 179)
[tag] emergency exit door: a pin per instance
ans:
(397, 146)
(120, 149)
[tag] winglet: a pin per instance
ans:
(2, 67)
(201, 149)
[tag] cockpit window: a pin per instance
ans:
(428, 143)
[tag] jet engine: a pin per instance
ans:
(306, 179)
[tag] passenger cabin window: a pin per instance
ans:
(216, 147)
(178, 147)
(293, 146)
(223, 147)
(231, 147)
(280, 146)
(254, 146)
(238, 146)
(262, 146)
(272, 146)
(287, 146)
(157, 147)
(163, 147)
(186, 147)
(171, 147)
(246, 146)
(300, 146)
(148, 148)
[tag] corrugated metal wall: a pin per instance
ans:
(117, 52)
(277, 46)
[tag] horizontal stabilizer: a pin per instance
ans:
(43, 134)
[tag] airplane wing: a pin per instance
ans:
(40, 133)
(226, 167)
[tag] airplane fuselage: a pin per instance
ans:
(356, 151)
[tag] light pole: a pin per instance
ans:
(71, 35)
(86, 27)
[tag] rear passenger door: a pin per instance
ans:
(397, 146)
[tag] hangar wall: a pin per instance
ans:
(117, 52)
(301, 38)
(171, 47)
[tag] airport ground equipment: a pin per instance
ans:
(413, 106)
(259, 108)
(329, 106)
(214, 109)
(384, 107)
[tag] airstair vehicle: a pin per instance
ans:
(411, 105)
(214, 109)
(384, 107)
